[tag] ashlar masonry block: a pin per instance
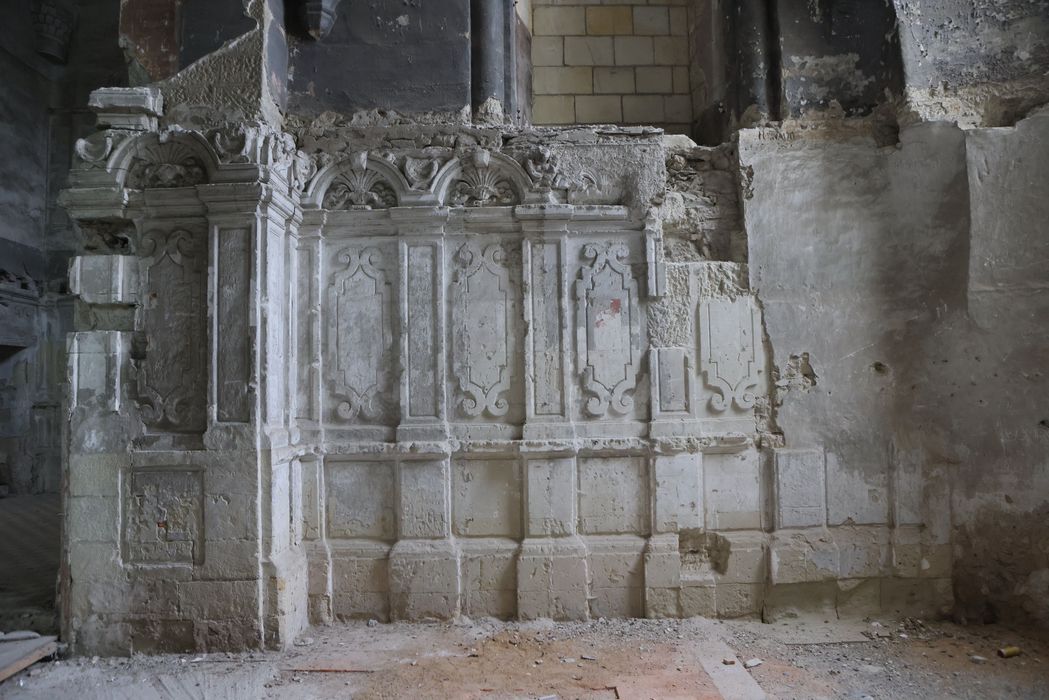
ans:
(800, 488)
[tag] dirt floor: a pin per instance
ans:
(661, 659)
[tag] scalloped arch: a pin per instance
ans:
(327, 175)
(177, 159)
(501, 165)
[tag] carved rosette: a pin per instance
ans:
(359, 188)
(729, 333)
(171, 371)
(482, 184)
(608, 332)
(361, 337)
(484, 351)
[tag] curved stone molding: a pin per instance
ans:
(171, 371)
(359, 182)
(153, 161)
(482, 179)
(608, 332)
(485, 309)
(729, 358)
(360, 336)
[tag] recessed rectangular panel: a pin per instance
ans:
(547, 353)
(233, 346)
(164, 521)
(360, 500)
(613, 495)
(486, 498)
(423, 356)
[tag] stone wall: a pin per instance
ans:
(935, 382)
(601, 63)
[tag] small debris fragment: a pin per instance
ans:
(1009, 652)
(729, 662)
(977, 659)
(304, 641)
(752, 663)
(373, 623)
(472, 654)
(584, 657)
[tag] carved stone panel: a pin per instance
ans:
(422, 291)
(360, 331)
(232, 308)
(485, 316)
(730, 351)
(608, 330)
(547, 358)
(165, 516)
(172, 350)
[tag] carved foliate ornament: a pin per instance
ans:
(169, 164)
(95, 149)
(547, 174)
(608, 332)
(420, 172)
(482, 184)
(359, 188)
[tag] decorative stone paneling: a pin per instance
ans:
(608, 330)
(171, 387)
(486, 325)
(164, 521)
(361, 500)
(360, 336)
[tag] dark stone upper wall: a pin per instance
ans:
(845, 50)
(385, 54)
(957, 43)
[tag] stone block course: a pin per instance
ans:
(588, 51)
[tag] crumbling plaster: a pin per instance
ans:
(927, 384)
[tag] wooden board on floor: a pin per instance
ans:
(15, 656)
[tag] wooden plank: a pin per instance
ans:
(15, 656)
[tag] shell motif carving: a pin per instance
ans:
(359, 188)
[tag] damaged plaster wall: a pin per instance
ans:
(895, 274)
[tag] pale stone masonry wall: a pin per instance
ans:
(611, 62)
